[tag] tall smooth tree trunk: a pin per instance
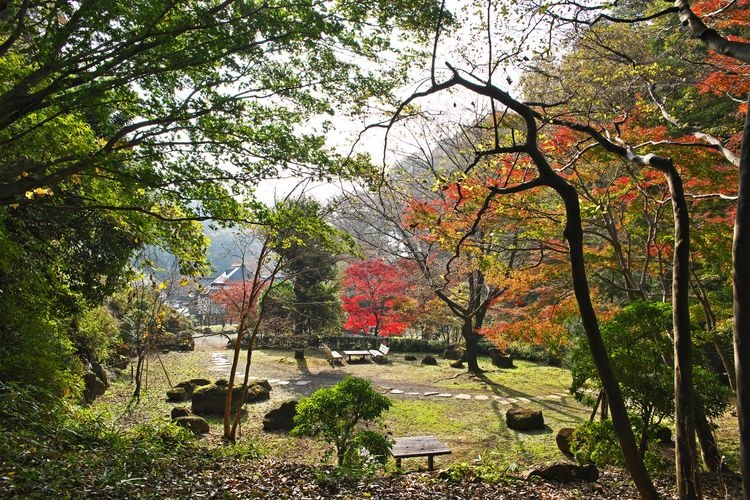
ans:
(741, 289)
(574, 235)
(686, 464)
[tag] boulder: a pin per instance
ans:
(263, 383)
(566, 472)
(222, 382)
(524, 419)
(563, 438)
(257, 392)
(196, 424)
(210, 398)
(180, 411)
(410, 357)
(453, 351)
(101, 372)
(178, 394)
(197, 382)
(457, 363)
(501, 359)
(281, 418)
(93, 387)
(187, 386)
(429, 360)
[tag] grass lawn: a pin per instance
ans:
(471, 428)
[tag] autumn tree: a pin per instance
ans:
(375, 295)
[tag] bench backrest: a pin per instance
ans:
(326, 350)
(384, 349)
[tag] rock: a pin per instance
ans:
(210, 398)
(180, 411)
(197, 382)
(93, 387)
(101, 372)
(410, 357)
(222, 382)
(500, 359)
(263, 383)
(189, 388)
(524, 419)
(196, 424)
(257, 392)
(566, 472)
(178, 394)
(457, 364)
(453, 351)
(281, 418)
(563, 440)
(429, 360)
(120, 362)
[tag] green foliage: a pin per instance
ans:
(335, 413)
(43, 436)
(596, 443)
(97, 333)
(488, 470)
(640, 347)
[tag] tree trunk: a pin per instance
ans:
(574, 235)
(709, 448)
(472, 341)
(741, 289)
(688, 483)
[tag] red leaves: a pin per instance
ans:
(376, 297)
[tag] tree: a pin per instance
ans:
(374, 298)
(337, 413)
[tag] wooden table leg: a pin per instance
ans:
(398, 463)
(431, 462)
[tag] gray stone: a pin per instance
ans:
(500, 359)
(180, 411)
(410, 357)
(524, 419)
(281, 418)
(563, 438)
(195, 423)
(263, 383)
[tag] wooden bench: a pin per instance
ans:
(333, 357)
(362, 354)
(419, 446)
(380, 352)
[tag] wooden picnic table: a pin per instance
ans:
(357, 353)
(419, 446)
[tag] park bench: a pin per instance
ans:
(380, 353)
(419, 446)
(333, 357)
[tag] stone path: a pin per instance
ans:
(221, 363)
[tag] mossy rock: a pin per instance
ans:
(429, 360)
(178, 394)
(524, 419)
(180, 411)
(209, 399)
(196, 424)
(257, 392)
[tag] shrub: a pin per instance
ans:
(336, 412)
(596, 443)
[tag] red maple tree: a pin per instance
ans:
(376, 298)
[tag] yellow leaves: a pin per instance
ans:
(184, 281)
(39, 192)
